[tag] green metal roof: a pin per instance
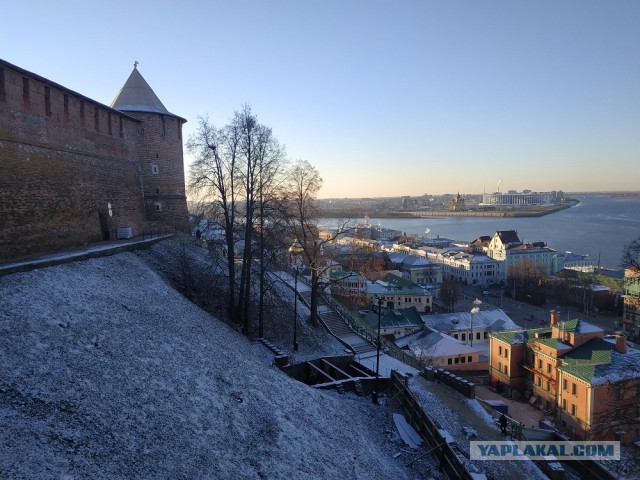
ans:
(519, 336)
(582, 361)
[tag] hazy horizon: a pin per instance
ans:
(384, 98)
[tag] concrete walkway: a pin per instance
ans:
(520, 411)
(78, 253)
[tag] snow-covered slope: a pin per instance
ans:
(107, 372)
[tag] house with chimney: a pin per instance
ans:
(591, 382)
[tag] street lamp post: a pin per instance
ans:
(377, 386)
(294, 252)
(475, 309)
(295, 309)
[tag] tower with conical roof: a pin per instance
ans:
(160, 151)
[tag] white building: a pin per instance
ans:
(467, 268)
(440, 350)
(574, 261)
(512, 198)
(462, 326)
(506, 247)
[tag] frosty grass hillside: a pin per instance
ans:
(108, 372)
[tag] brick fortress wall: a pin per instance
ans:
(72, 169)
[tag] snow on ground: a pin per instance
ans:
(452, 412)
(107, 372)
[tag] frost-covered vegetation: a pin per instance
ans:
(109, 372)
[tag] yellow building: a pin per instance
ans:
(592, 384)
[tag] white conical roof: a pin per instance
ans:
(137, 96)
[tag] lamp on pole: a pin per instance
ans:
(475, 309)
(377, 386)
(294, 253)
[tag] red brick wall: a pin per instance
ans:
(64, 158)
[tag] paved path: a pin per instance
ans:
(76, 254)
(520, 411)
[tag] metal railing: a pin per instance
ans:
(361, 328)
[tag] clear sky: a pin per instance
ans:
(385, 98)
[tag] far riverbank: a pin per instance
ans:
(524, 212)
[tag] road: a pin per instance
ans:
(521, 312)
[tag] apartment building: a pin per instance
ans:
(631, 315)
(397, 292)
(591, 383)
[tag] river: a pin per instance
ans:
(598, 225)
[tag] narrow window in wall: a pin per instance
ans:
(47, 100)
(3, 94)
(66, 107)
(154, 169)
(96, 118)
(25, 93)
(158, 207)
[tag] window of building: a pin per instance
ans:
(47, 100)
(500, 366)
(548, 386)
(506, 370)
(463, 360)
(477, 335)
(539, 381)
(463, 337)
(486, 335)
(573, 409)
(539, 364)
(499, 350)
(2, 87)
(456, 360)
(158, 207)
(564, 383)
(506, 353)
(449, 361)
(154, 169)
(574, 389)
(564, 404)
(548, 368)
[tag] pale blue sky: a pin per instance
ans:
(384, 98)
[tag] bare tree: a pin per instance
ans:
(631, 255)
(448, 293)
(231, 168)
(526, 280)
(213, 176)
(304, 182)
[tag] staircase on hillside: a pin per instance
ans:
(338, 327)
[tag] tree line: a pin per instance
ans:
(262, 203)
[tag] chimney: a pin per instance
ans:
(555, 318)
(621, 343)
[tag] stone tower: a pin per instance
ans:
(160, 152)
